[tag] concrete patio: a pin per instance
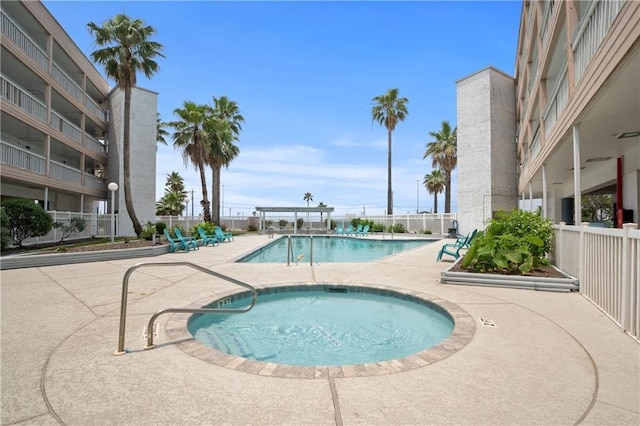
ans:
(552, 358)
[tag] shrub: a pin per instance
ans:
(208, 227)
(252, 227)
(4, 232)
(283, 223)
(26, 219)
(148, 231)
(160, 227)
(377, 227)
(427, 231)
(399, 228)
(300, 222)
(75, 224)
(334, 224)
(173, 233)
(513, 243)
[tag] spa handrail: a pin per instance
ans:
(125, 290)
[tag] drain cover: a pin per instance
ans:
(487, 322)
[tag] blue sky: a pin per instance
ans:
(303, 75)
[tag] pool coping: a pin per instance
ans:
(462, 334)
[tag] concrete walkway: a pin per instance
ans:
(552, 358)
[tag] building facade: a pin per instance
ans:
(59, 133)
(577, 108)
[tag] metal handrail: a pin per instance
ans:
(125, 288)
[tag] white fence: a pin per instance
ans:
(607, 262)
(96, 225)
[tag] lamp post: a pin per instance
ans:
(191, 203)
(222, 202)
(113, 187)
(417, 196)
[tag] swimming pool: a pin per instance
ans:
(330, 249)
(324, 325)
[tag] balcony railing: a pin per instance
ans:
(546, 21)
(21, 158)
(65, 173)
(31, 49)
(95, 108)
(66, 127)
(591, 31)
(17, 96)
(558, 102)
(20, 38)
(66, 82)
(95, 182)
(94, 145)
(535, 145)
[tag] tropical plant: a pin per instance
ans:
(148, 231)
(4, 232)
(444, 155)
(74, 225)
(208, 227)
(388, 112)
(172, 202)
(161, 132)
(434, 183)
(308, 197)
(191, 137)
(321, 204)
(282, 223)
(127, 48)
(160, 227)
(597, 208)
(225, 124)
(26, 219)
(299, 222)
(515, 242)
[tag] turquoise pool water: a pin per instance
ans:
(331, 249)
(325, 327)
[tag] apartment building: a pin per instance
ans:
(572, 123)
(61, 131)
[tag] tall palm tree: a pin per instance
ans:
(223, 151)
(175, 183)
(321, 204)
(388, 112)
(126, 49)
(171, 204)
(444, 155)
(434, 183)
(308, 197)
(191, 136)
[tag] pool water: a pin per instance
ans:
(330, 249)
(323, 327)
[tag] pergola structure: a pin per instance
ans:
(262, 211)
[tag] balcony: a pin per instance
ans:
(21, 158)
(33, 106)
(557, 103)
(39, 56)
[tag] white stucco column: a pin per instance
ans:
(577, 201)
(544, 191)
(530, 196)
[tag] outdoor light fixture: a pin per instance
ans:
(628, 135)
(113, 187)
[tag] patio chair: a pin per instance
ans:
(453, 249)
(339, 230)
(349, 230)
(174, 244)
(223, 236)
(207, 239)
(364, 231)
(358, 230)
(188, 242)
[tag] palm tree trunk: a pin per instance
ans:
(435, 202)
(205, 198)
(389, 190)
(215, 193)
(447, 191)
(126, 154)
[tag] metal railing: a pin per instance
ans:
(65, 126)
(94, 182)
(67, 82)
(125, 291)
(607, 263)
(94, 145)
(558, 102)
(21, 98)
(64, 172)
(95, 108)
(24, 42)
(21, 158)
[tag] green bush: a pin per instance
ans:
(427, 231)
(148, 231)
(4, 232)
(75, 224)
(377, 227)
(172, 232)
(514, 243)
(252, 227)
(160, 227)
(334, 224)
(26, 219)
(282, 223)
(208, 227)
(300, 222)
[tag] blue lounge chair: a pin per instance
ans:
(174, 244)
(453, 249)
(349, 230)
(339, 230)
(207, 239)
(358, 230)
(189, 242)
(363, 232)
(223, 236)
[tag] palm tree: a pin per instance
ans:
(434, 183)
(388, 112)
(321, 204)
(225, 129)
(308, 197)
(175, 184)
(126, 49)
(160, 130)
(444, 155)
(171, 204)
(192, 138)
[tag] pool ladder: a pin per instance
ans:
(125, 290)
(290, 256)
